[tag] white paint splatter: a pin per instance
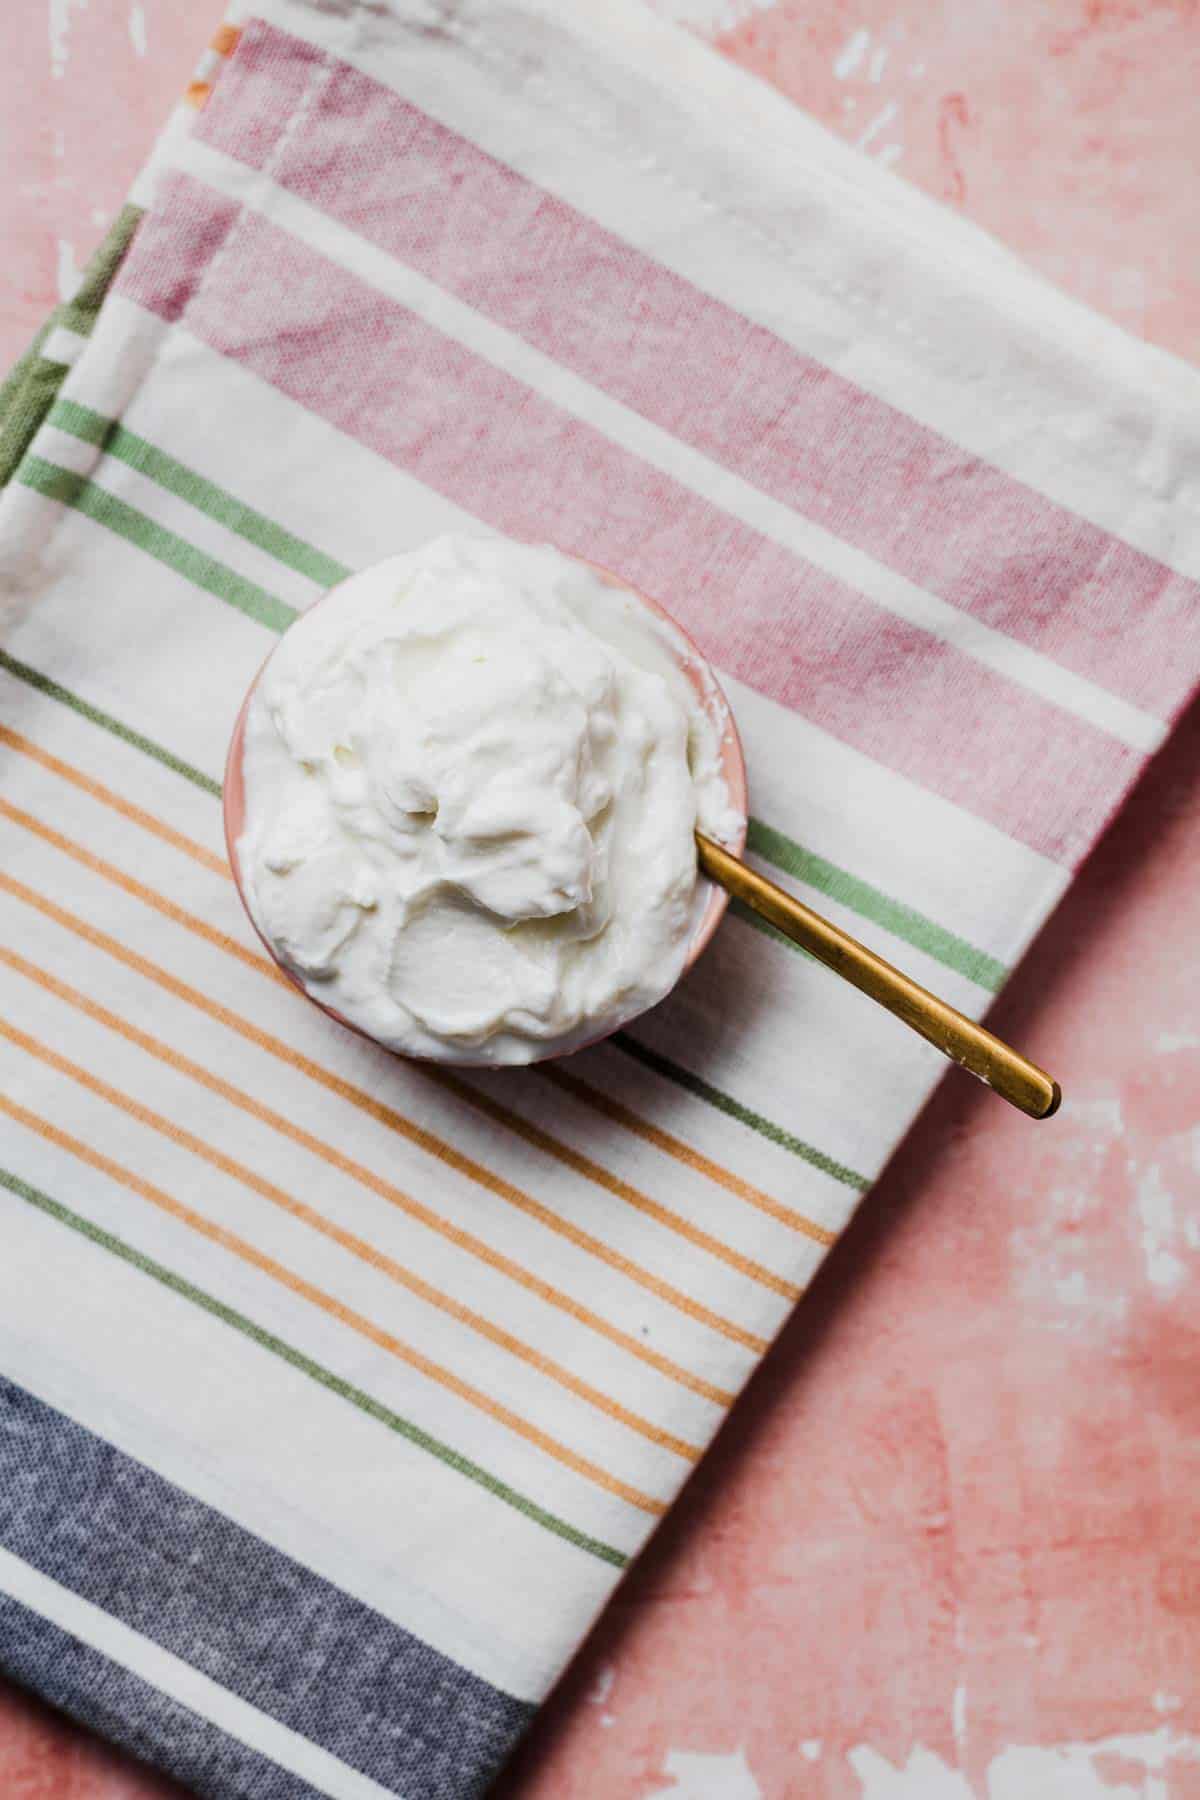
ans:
(958, 1702)
(880, 122)
(603, 1686)
(69, 276)
(1102, 1116)
(59, 22)
(1176, 1040)
(851, 54)
(1073, 1289)
(891, 153)
(1167, 1703)
(878, 64)
(810, 1749)
(601, 1689)
(958, 1719)
(700, 1777)
(99, 216)
(1073, 1771)
(1054, 1256)
(917, 68)
(137, 28)
(1156, 1208)
(923, 1777)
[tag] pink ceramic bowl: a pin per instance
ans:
(733, 763)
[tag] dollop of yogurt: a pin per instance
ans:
(472, 778)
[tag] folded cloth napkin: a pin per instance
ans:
(338, 1391)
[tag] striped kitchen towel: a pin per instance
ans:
(338, 1391)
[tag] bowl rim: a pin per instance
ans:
(697, 669)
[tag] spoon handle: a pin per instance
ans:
(1020, 1082)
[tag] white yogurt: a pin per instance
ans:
(472, 779)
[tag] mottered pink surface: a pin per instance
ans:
(948, 1548)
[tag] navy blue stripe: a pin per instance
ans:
(252, 1618)
(132, 1713)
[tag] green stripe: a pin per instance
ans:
(81, 422)
(54, 690)
(75, 318)
(30, 388)
(25, 399)
(314, 1370)
(137, 528)
(196, 490)
(12, 387)
(870, 903)
(808, 1153)
(79, 314)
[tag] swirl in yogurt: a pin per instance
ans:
(472, 778)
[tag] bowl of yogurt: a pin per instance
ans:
(461, 798)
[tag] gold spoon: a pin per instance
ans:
(1020, 1082)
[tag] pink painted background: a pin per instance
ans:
(949, 1546)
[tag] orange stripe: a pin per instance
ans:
(620, 1190)
(425, 1140)
(357, 1246)
(196, 93)
(107, 797)
(395, 1196)
(581, 1090)
(225, 39)
(221, 939)
(684, 1153)
(541, 1140)
(287, 1278)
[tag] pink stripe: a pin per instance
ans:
(178, 278)
(930, 510)
(472, 433)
